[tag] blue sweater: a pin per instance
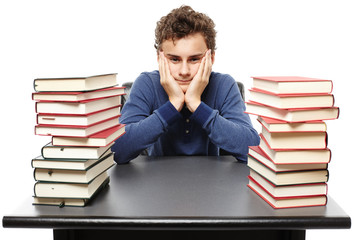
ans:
(153, 123)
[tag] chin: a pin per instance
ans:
(184, 88)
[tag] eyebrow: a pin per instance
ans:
(192, 56)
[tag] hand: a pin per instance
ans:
(171, 87)
(199, 83)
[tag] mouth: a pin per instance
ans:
(182, 81)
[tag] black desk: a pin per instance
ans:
(178, 197)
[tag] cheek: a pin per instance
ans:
(194, 68)
(173, 69)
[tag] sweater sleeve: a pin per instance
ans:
(229, 127)
(143, 125)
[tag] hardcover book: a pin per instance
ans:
(74, 176)
(70, 190)
(81, 107)
(75, 83)
(286, 101)
(100, 139)
(78, 96)
(292, 84)
(292, 115)
(290, 177)
(287, 202)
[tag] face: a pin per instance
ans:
(184, 56)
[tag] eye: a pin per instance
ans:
(174, 60)
(194, 60)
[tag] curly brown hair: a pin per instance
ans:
(182, 22)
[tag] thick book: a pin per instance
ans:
(50, 151)
(287, 202)
(290, 177)
(78, 119)
(81, 107)
(286, 101)
(258, 154)
(74, 176)
(295, 156)
(99, 139)
(70, 190)
(295, 140)
(75, 83)
(70, 202)
(292, 84)
(66, 163)
(292, 115)
(76, 131)
(296, 190)
(273, 125)
(78, 96)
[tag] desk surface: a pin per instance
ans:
(178, 193)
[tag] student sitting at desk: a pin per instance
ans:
(184, 108)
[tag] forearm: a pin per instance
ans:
(143, 133)
(232, 135)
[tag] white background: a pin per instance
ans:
(81, 38)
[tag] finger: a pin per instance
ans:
(162, 68)
(200, 72)
(208, 65)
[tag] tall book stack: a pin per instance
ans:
(82, 117)
(289, 168)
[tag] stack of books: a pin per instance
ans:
(82, 117)
(289, 168)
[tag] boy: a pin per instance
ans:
(185, 108)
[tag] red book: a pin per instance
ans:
(282, 178)
(78, 119)
(295, 100)
(274, 125)
(295, 156)
(257, 153)
(81, 107)
(287, 202)
(292, 115)
(295, 140)
(76, 131)
(295, 190)
(99, 139)
(292, 84)
(78, 96)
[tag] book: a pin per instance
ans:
(60, 202)
(66, 163)
(81, 107)
(76, 131)
(67, 153)
(258, 154)
(99, 139)
(78, 96)
(292, 84)
(295, 140)
(286, 101)
(78, 119)
(290, 177)
(292, 115)
(295, 156)
(273, 125)
(287, 202)
(297, 190)
(75, 83)
(74, 176)
(70, 190)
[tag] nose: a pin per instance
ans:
(185, 70)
